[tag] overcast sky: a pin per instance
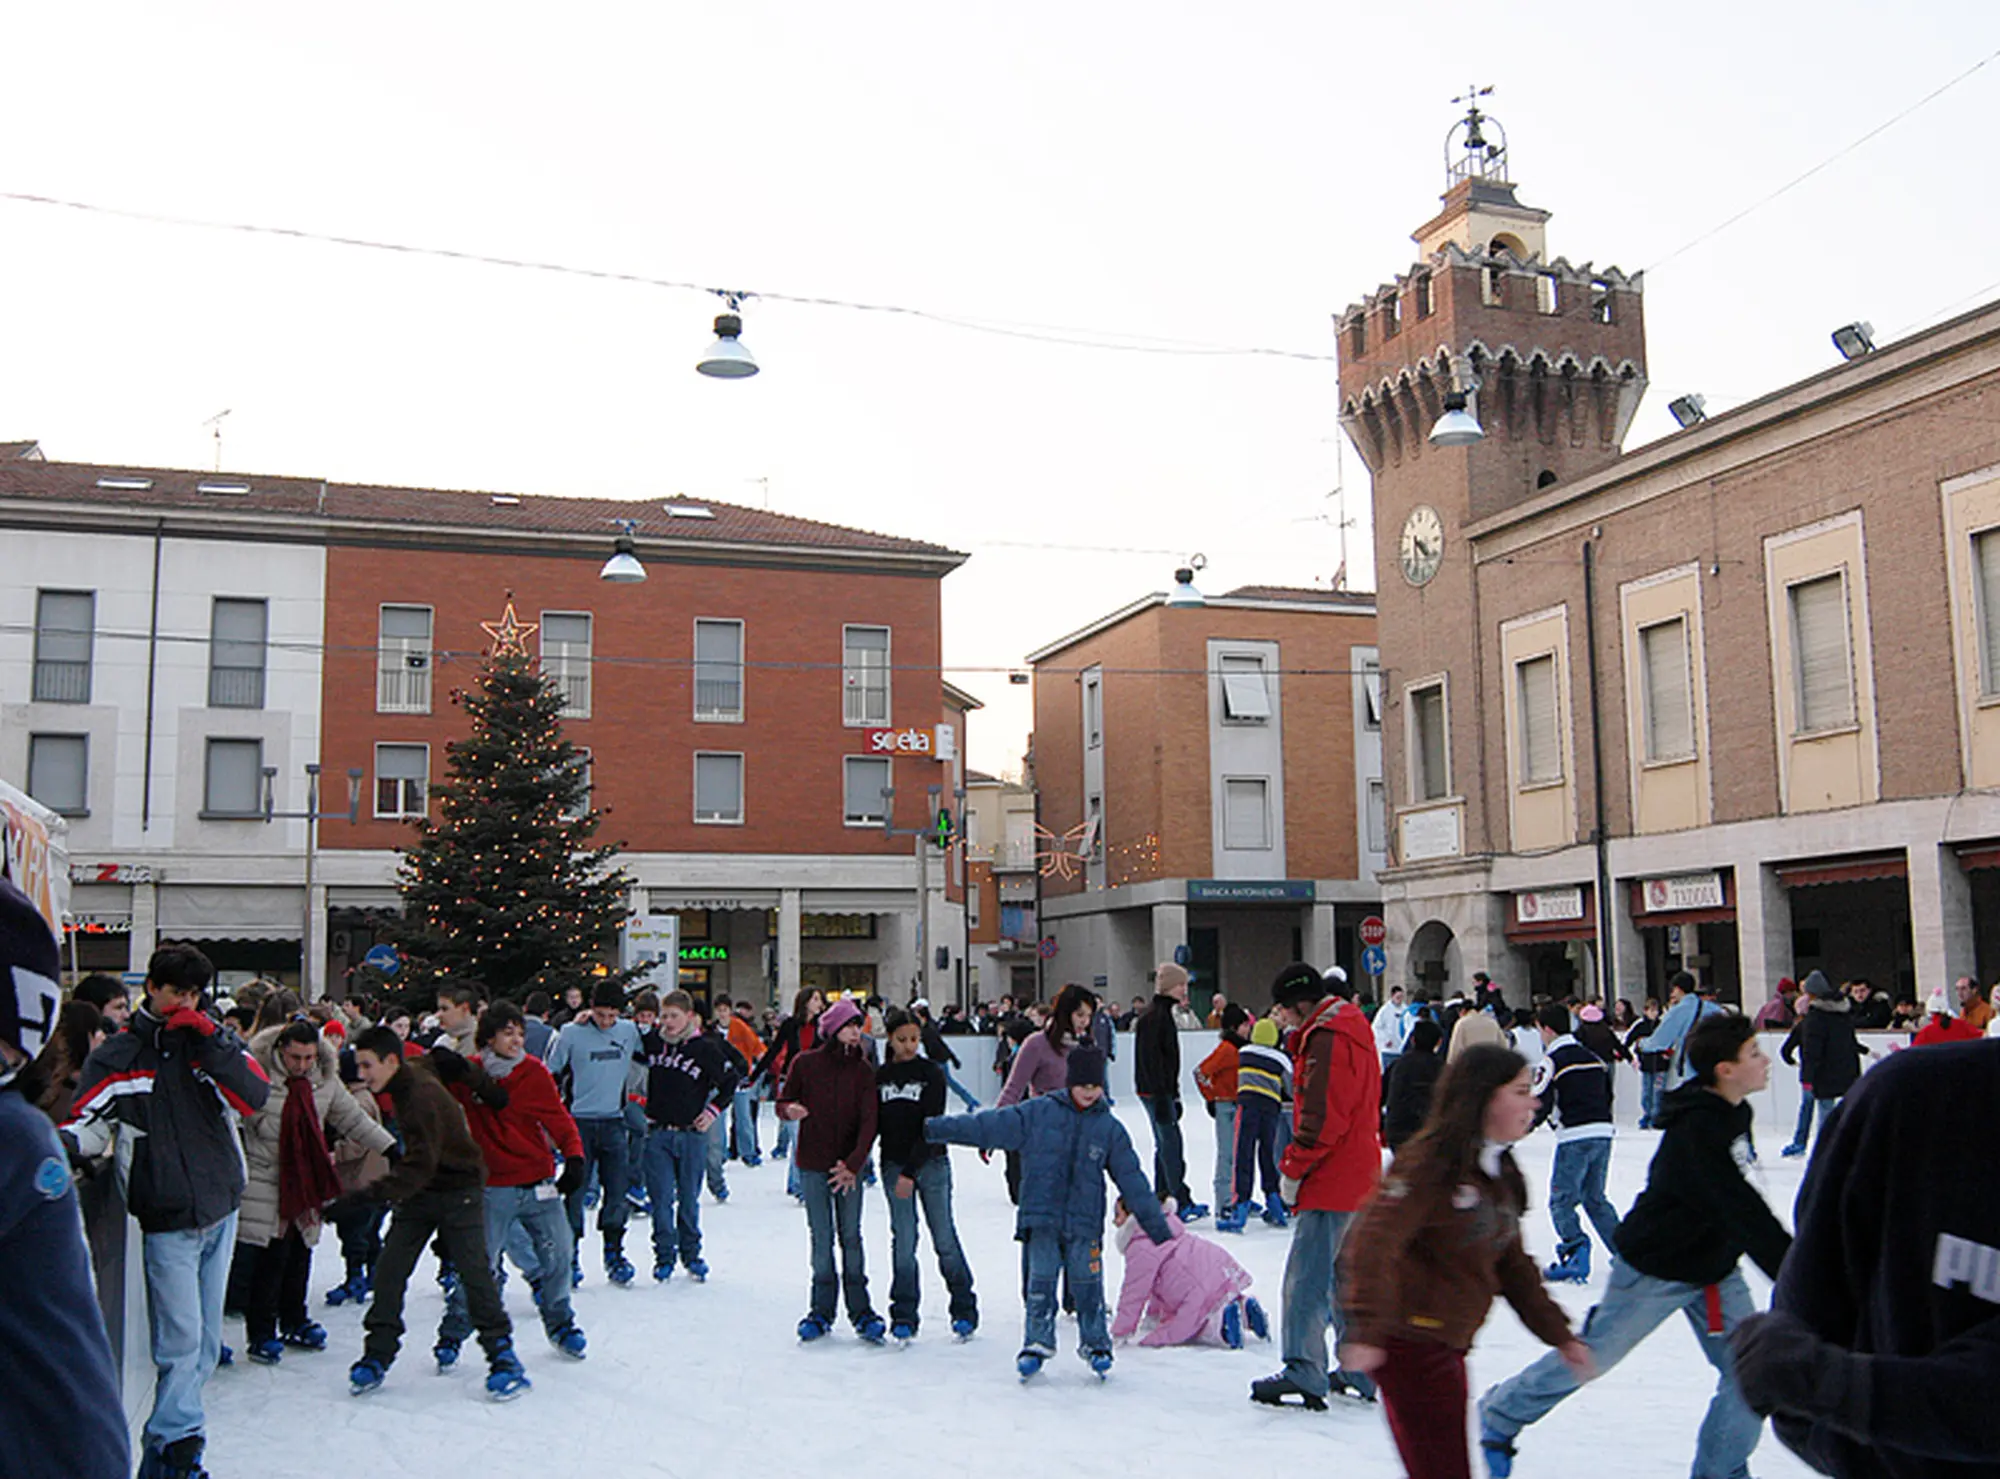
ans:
(1230, 175)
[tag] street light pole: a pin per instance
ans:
(312, 816)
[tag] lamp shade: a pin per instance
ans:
(623, 568)
(726, 358)
(1184, 593)
(1457, 427)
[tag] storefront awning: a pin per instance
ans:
(1536, 916)
(229, 912)
(1862, 868)
(1973, 856)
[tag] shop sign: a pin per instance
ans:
(1548, 904)
(925, 744)
(110, 873)
(1683, 892)
(1235, 891)
(99, 924)
(701, 954)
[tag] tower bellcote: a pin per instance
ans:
(1480, 213)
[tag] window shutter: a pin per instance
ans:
(718, 788)
(1819, 634)
(1244, 694)
(718, 669)
(1246, 818)
(57, 767)
(1986, 563)
(1541, 753)
(1427, 709)
(865, 779)
(63, 625)
(1669, 700)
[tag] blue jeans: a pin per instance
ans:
(835, 1215)
(1578, 1178)
(743, 1112)
(1081, 1260)
(604, 1147)
(1169, 1156)
(718, 1155)
(933, 1197)
(1651, 1087)
(186, 1276)
(1225, 1155)
(1802, 1135)
(964, 1094)
(1311, 1294)
(1634, 1305)
(1259, 1120)
(520, 1222)
(785, 1137)
(675, 1160)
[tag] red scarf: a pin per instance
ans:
(306, 1180)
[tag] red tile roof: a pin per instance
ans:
(347, 503)
(1303, 595)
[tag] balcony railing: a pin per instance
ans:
(575, 690)
(236, 688)
(403, 689)
(718, 698)
(59, 682)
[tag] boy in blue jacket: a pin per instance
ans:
(1068, 1142)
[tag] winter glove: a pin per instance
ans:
(189, 1020)
(1783, 1367)
(490, 1092)
(1288, 1190)
(449, 1066)
(570, 1181)
(1211, 1107)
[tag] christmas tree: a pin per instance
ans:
(506, 886)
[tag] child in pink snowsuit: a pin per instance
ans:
(1187, 1292)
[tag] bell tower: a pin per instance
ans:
(1485, 374)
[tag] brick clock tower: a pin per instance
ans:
(1544, 364)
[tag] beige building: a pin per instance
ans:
(1002, 929)
(1731, 700)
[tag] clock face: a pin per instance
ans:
(1421, 547)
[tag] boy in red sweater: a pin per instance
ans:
(524, 1195)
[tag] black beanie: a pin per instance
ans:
(1086, 1067)
(1297, 982)
(29, 966)
(608, 994)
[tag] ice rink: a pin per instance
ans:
(698, 1380)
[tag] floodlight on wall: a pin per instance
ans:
(623, 568)
(1854, 340)
(726, 358)
(1184, 594)
(1457, 427)
(1687, 410)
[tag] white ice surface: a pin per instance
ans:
(691, 1381)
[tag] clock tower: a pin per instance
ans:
(1536, 366)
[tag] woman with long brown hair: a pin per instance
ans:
(51, 1080)
(1427, 1256)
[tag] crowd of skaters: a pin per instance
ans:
(489, 1132)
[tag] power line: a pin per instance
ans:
(1833, 158)
(1068, 335)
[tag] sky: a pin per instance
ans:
(1162, 172)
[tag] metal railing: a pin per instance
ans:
(402, 689)
(718, 698)
(59, 682)
(236, 688)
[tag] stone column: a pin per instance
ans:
(145, 925)
(1940, 919)
(1763, 931)
(788, 946)
(1169, 931)
(312, 961)
(1317, 935)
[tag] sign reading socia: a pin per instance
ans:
(1685, 891)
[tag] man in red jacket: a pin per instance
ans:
(1329, 1169)
(524, 1195)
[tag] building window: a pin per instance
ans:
(59, 772)
(1093, 710)
(1392, 315)
(1371, 697)
(64, 624)
(403, 664)
(402, 780)
(236, 638)
(234, 779)
(1600, 301)
(864, 779)
(1246, 814)
(718, 671)
(864, 677)
(1820, 654)
(1541, 733)
(578, 809)
(1092, 846)
(1666, 692)
(972, 896)
(1548, 293)
(1245, 697)
(1378, 817)
(566, 659)
(1430, 754)
(1424, 300)
(718, 788)
(1986, 570)
(1357, 336)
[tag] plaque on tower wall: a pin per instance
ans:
(1422, 835)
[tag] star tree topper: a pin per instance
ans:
(510, 634)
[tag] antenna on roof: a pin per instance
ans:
(215, 423)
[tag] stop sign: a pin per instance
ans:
(1374, 931)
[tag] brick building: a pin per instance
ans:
(1725, 700)
(1211, 767)
(733, 707)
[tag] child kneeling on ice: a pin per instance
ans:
(1068, 1142)
(1189, 1290)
